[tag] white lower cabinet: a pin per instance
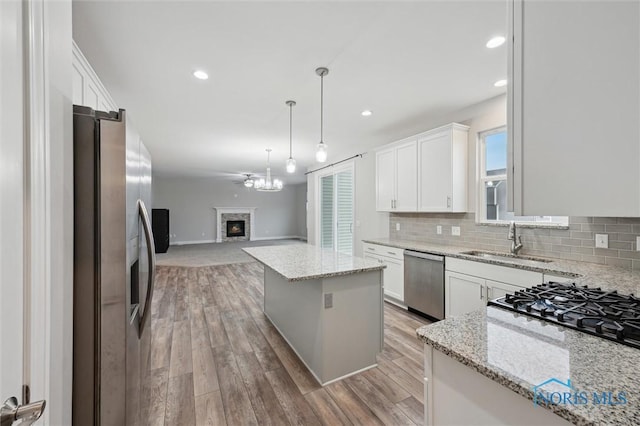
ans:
(455, 394)
(497, 289)
(470, 285)
(463, 293)
(393, 274)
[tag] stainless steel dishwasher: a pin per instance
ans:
(424, 283)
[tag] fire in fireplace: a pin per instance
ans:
(235, 228)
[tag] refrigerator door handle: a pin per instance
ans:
(146, 225)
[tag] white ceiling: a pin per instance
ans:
(405, 61)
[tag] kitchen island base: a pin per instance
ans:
(455, 394)
(334, 324)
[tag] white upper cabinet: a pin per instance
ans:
(397, 177)
(574, 108)
(442, 169)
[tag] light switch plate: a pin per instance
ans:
(455, 230)
(602, 241)
(439, 230)
(397, 226)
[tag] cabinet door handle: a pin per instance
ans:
(392, 204)
(481, 288)
(448, 201)
(489, 293)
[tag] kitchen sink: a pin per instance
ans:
(504, 256)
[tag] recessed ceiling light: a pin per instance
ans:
(500, 83)
(199, 74)
(495, 42)
(366, 113)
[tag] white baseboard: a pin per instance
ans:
(183, 243)
(283, 237)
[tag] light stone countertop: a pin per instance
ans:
(298, 262)
(520, 352)
(590, 274)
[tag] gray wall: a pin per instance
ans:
(301, 209)
(193, 219)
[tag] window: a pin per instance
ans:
(492, 196)
(336, 191)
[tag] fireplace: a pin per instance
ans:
(235, 228)
(226, 232)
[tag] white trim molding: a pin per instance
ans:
(251, 211)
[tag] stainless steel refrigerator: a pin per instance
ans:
(114, 269)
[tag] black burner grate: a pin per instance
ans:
(592, 310)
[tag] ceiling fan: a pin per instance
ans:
(248, 180)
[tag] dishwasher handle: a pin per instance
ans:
(421, 255)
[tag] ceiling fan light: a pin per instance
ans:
(291, 165)
(248, 182)
(321, 153)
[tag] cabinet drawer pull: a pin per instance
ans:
(391, 253)
(371, 248)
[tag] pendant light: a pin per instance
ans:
(321, 152)
(268, 185)
(291, 163)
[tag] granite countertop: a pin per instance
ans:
(298, 262)
(520, 352)
(582, 273)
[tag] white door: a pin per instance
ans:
(435, 173)
(36, 177)
(463, 293)
(12, 212)
(394, 278)
(385, 180)
(407, 177)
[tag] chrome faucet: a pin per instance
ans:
(515, 247)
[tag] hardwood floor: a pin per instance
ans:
(217, 360)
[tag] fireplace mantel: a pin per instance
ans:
(231, 210)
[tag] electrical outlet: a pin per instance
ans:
(602, 241)
(397, 226)
(455, 230)
(328, 300)
(439, 230)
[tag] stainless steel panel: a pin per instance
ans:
(133, 185)
(115, 356)
(85, 252)
(424, 283)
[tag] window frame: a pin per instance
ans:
(481, 193)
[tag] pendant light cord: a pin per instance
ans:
(321, 107)
(290, 130)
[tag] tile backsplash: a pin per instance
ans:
(575, 243)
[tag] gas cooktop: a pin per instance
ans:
(591, 310)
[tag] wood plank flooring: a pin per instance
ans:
(217, 360)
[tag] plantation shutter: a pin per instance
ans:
(344, 212)
(326, 212)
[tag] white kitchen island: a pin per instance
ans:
(328, 306)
